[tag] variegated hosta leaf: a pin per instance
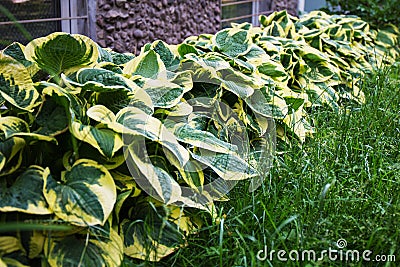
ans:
(297, 123)
(16, 86)
(274, 29)
(227, 166)
(2, 161)
(132, 121)
(147, 65)
(8, 261)
(165, 53)
(33, 242)
(267, 104)
(319, 72)
(192, 174)
(256, 55)
(9, 244)
(154, 231)
(16, 127)
(25, 195)
(101, 114)
(312, 54)
(61, 52)
(232, 42)
(320, 93)
(104, 54)
(52, 119)
(16, 51)
(166, 93)
(86, 195)
(189, 135)
(213, 69)
(211, 62)
(106, 141)
(272, 69)
(8, 150)
(89, 152)
(73, 105)
(184, 49)
(12, 125)
(135, 122)
(103, 249)
(179, 110)
(241, 85)
(125, 182)
(121, 59)
(261, 156)
(110, 67)
(100, 80)
(152, 179)
(142, 101)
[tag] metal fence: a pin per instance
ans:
(23, 20)
(239, 11)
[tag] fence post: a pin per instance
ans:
(91, 13)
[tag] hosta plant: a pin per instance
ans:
(113, 155)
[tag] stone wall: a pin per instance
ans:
(126, 25)
(290, 5)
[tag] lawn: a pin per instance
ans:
(341, 184)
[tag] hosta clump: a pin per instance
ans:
(316, 60)
(120, 148)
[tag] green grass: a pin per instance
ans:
(343, 183)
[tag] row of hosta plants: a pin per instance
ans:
(107, 156)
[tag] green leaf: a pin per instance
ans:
(25, 195)
(16, 86)
(86, 195)
(61, 52)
